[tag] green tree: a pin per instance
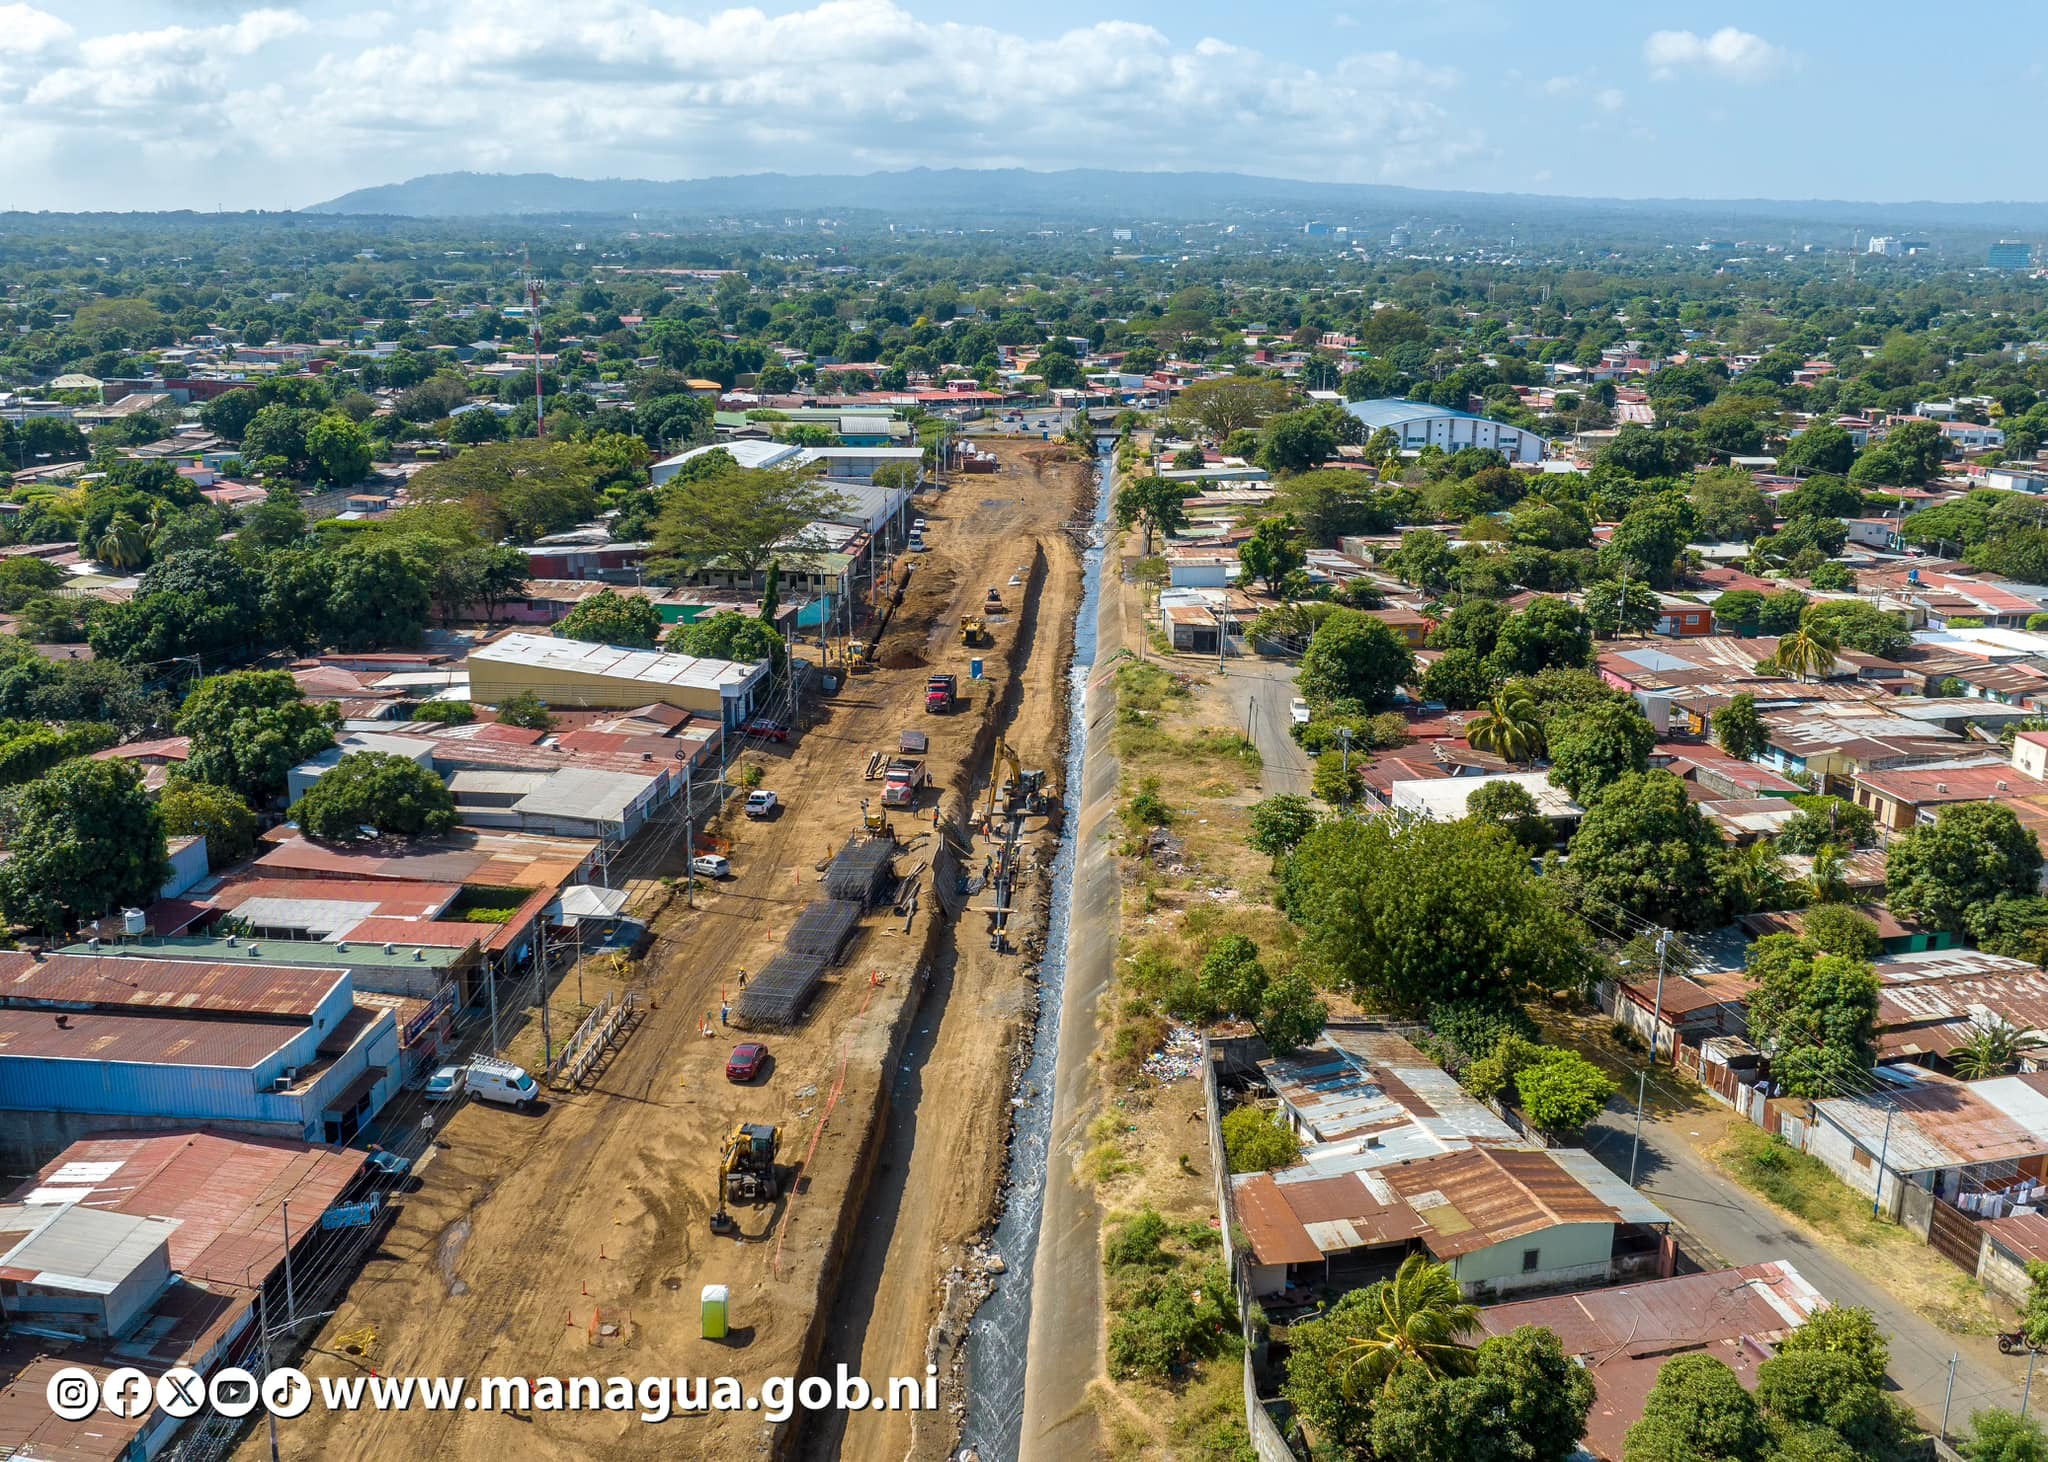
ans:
(1827, 822)
(1226, 404)
(526, 710)
(1297, 441)
(1845, 1330)
(124, 546)
(741, 518)
(1591, 749)
(1548, 634)
(1508, 806)
(1646, 850)
(1994, 1050)
(1159, 505)
(1258, 1141)
(1279, 822)
(1835, 928)
(611, 618)
(1971, 855)
(1320, 1383)
(1805, 654)
(338, 449)
(249, 729)
(198, 809)
(1408, 916)
(1739, 729)
(1728, 505)
(1857, 625)
(1416, 1321)
(86, 840)
(1817, 1012)
(1355, 657)
(727, 635)
(1335, 778)
(1819, 1391)
(1697, 1412)
(1272, 552)
(2034, 1312)
(518, 490)
(1511, 726)
(1562, 1091)
(1822, 447)
(1458, 679)
(1617, 607)
(373, 789)
(2004, 1436)
(1424, 559)
(1525, 1401)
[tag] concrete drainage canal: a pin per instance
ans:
(996, 1338)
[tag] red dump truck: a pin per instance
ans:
(941, 693)
(901, 781)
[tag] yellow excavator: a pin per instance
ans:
(746, 1170)
(1022, 789)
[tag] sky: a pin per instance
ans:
(205, 104)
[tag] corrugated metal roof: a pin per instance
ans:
(1942, 1123)
(149, 1040)
(187, 985)
(1623, 1336)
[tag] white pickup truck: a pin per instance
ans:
(1297, 711)
(761, 803)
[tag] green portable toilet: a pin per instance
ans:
(716, 1296)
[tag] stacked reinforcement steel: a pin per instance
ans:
(777, 997)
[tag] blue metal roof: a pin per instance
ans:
(1392, 411)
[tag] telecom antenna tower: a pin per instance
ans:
(540, 406)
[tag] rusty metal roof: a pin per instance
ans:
(150, 1040)
(209, 986)
(1623, 1336)
(1488, 1195)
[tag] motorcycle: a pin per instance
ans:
(2013, 1342)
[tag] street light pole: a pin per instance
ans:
(1643, 1078)
(1877, 1183)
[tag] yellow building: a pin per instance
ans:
(575, 673)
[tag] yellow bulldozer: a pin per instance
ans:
(974, 631)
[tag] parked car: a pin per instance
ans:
(445, 1084)
(1297, 711)
(711, 865)
(745, 1062)
(501, 1082)
(761, 803)
(767, 730)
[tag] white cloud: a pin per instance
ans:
(1611, 99)
(262, 103)
(25, 29)
(1735, 55)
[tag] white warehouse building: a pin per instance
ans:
(1419, 424)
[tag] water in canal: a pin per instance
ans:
(996, 1339)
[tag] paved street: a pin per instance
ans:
(1261, 691)
(1743, 1230)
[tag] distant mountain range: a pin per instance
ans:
(1121, 196)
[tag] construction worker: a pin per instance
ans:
(724, 1011)
(743, 978)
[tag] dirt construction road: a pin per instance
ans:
(575, 1241)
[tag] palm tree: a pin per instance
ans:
(1993, 1050)
(1756, 878)
(1420, 1318)
(1828, 880)
(124, 545)
(1806, 653)
(1510, 728)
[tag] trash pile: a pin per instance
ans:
(1177, 1058)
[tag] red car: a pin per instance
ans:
(768, 730)
(745, 1061)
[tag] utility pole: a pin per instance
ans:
(1948, 1395)
(291, 1304)
(547, 1039)
(540, 411)
(1643, 1080)
(491, 985)
(1877, 1189)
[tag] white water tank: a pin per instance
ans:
(133, 922)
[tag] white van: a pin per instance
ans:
(500, 1081)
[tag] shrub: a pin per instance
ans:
(525, 709)
(448, 713)
(1258, 1141)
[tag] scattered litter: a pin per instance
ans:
(1178, 1058)
(806, 1091)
